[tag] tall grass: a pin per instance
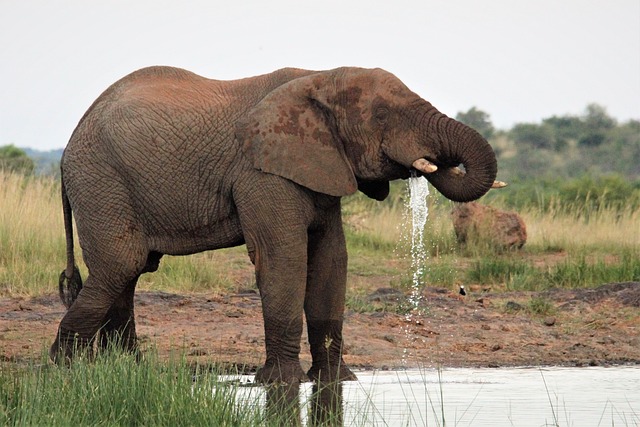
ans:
(597, 244)
(31, 234)
(32, 247)
(576, 270)
(603, 229)
(114, 390)
(582, 270)
(225, 270)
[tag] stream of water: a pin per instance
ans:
(417, 214)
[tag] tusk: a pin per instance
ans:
(424, 166)
(459, 172)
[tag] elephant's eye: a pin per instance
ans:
(381, 114)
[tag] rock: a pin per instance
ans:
(606, 341)
(502, 229)
(513, 306)
(550, 321)
(385, 295)
(389, 338)
(234, 314)
(630, 295)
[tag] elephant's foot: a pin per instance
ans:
(325, 338)
(126, 341)
(274, 372)
(119, 345)
(326, 373)
(66, 347)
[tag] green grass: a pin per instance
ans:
(581, 270)
(540, 306)
(576, 271)
(221, 271)
(443, 272)
(514, 273)
(115, 390)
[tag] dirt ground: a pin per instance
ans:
(598, 326)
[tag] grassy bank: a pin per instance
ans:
(579, 247)
(569, 246)
(116, 390)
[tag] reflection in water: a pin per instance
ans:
(523, 397)
(283, 404)
(325, 405)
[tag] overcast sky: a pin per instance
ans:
(520, 61)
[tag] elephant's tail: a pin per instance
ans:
(70, 282)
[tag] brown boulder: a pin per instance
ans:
(480, 223)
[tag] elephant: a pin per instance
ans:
(166, 162)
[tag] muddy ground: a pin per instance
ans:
(598, 326)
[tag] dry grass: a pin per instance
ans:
(32, 247)
(605, 229)
(31, 234)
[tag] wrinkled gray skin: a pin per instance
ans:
(168, 162)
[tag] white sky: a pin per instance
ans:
(518, 60)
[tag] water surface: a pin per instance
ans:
(594, 396)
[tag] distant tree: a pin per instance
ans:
(596, 118)
(13, 159)
(536, 136)
(597, 125)
(565, 127)
(620, 151)
(592, 139)
(478, 120)
(591, 143)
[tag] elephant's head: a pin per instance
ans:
(350, 128)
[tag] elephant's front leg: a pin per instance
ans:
(281, 274)
(325, 299)
(275, 231)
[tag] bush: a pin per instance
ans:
(579, 196)
(13, 159)
(610, 191)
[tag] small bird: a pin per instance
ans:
(462, 291)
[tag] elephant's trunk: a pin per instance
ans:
(462, 145)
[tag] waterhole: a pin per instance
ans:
(562, 396)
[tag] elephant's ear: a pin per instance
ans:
(291, 133)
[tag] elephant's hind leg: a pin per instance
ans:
(119, 326)
(115, 257)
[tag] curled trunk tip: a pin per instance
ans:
(467, 147)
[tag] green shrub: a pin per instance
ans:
(540, 306)
(580, 196)
(580, 272)
(514, 273)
